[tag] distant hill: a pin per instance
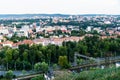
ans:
(51, 15)
(30, 15)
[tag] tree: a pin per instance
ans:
(25, 55)
(41, 67)
(15, 56)
(32, 54)
(23, 47)
(82, 49)
(63, 61)
(62, 51)
(52, 53)
(39, 56)
(8, 56)
(9, 74)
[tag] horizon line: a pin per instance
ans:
(57, 13)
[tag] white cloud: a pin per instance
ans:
(60, 6)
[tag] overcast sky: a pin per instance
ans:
(60, 6)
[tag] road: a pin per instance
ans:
(18, 73)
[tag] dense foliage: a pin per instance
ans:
(43, 67)
(25, 56)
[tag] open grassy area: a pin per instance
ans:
(104, 74)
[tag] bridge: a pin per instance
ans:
(97, 62)
(80, 55)
(27, 77)
(48, 76)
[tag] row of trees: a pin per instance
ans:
(25, 56)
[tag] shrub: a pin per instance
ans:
(40, 77)
(9, 74)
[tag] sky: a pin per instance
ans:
(60, 6)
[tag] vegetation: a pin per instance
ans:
(15, 38)
(105, 74)
(63, 61)
(25, 56)
(40, 77)
(41, 67)
(9, 74)
(78, 33)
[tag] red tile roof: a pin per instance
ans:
(27, 42)
(7, 42)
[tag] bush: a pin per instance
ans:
(9, 74)
(63, 62)
(40, 77)
(23, 72)
(54, 66)
(43, 67)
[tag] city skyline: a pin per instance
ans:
(60, 6)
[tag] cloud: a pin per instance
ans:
(60, 6)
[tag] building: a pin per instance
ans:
(7, 43)
(89, 28)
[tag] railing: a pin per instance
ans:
(102, 62)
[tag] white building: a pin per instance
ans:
(1, 38)
(14, 29)
(25, 28)
(107, 22)
(7, 43)
(38, 29)
(4, 31)
(89, 28)
(23, 31)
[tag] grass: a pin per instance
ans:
(99, 74)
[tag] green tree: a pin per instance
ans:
(25, 55)
(8, 56)
(32, 54)
(62, 51)
(9, 74)
(63, 61)
(15, 56)
(39, 56)
(41, 67)
(52, 53)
